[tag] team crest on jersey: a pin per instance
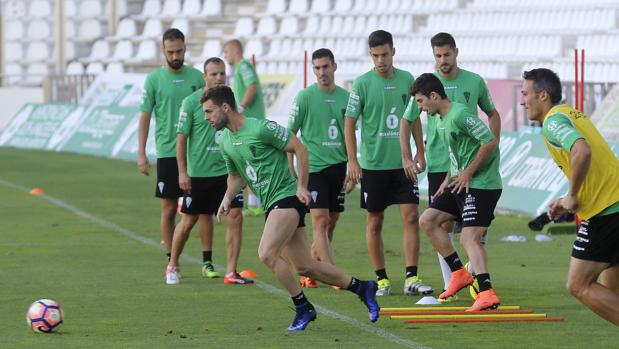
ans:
(194, 88)
(404, 99)
(467, 96)
(271, 125)
(252, 149)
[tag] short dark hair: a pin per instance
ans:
(427, 83)
(545, 80)
(216, 60)
(173, 34)
(219, 95)
(380, 37)
(322, 53)
(442, 39)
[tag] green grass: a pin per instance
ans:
(111, 286)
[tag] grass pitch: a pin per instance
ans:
(92, 245)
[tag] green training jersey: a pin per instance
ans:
(203, 154)
(163, 93)
(467, 88)
(255, 152)
(463, 133)
(320, 118)
(380, 104)
(245, 75)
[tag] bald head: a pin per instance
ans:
(233, 51)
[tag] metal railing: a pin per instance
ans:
(66, 88)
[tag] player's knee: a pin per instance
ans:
(426, 222)
(304, 270)
(575, 287)
(235, 217)
(322, 223)
(375, 222)
(267, 258)
(412, 217)
(168, 213)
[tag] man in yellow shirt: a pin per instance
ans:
(592, 169)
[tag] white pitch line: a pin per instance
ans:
(265, 286)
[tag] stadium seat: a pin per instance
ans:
(244, 26)
(153, 29)
(298, 7)
(14, 9)
(348, 26)
(69, 30)
(147, 52)
(13, 30)
(151, 9)
(271, 68)
(121, 8)
(90, 9)
(40, 9)
(126, 29)
(320, 6)
(182, 24)
(37, 51)
(324, 28)
(89, 30)
(115, 67)
(13, 51)
(12, 74)
(289, 26)
(275, 48)
(170, 9)
(69, 51)
(267, 26)
(95, 68)
(75, 68)
(35, 73)
(191, 8)
(360, 25)
(39, 30)
(211, 48)
(122, 51)
(100, 51)
(276, 7)
(359, 7)
(336, 25)
(311, 26)
(254, 47)
(343, 7)
(212, 8)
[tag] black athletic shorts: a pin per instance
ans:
(167, 179)
(476, 209)
(289, 202)
(435, 179)
(327, 188)
(381, 188)
(206, 195)
(598, 239)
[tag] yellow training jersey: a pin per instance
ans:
(564, 125)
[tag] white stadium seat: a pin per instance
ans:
(244, 26)
(90, 9)
(276, 7)
(298, 7)
(100, 51)
(13, 51)
(211, 48)
(14, 30)
(35, 74)
(152, 29)
(40, 9)
(266, 26)
(212, 8)
(115, 67)
(343, 6)
(191, 8)
(89, 30)
(121, 8)
(122, 51)
(126, 29)
(289, 26)
(151, 9)
(320, 6)
(254, 47)
(75, 68)
(95, 68)
(13, 73)
(182, 24)
(170, 9)
(39, 30)
(147, 51)
(37, 51)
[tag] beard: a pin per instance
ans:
(176, 64)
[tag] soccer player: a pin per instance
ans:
(470, 189)
(461, 86)
(255, 153)
(378, 99)
(164, 90)
(202, 177)
(250, 100)
(318, 112)
(593, 173)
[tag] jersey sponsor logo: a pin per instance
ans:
(333, 130)
(178, 81)
(250, 172)
(392, 122)
(329, 100)
(389, 87)
(271, 125)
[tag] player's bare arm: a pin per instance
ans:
(297, 148)
(184, 182)
(144, 125)
(235, 183)
(250, 95)
(494, 123)
(463, 178)
(354, 170)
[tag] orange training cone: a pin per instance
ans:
(248, 273)
(36, 191)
